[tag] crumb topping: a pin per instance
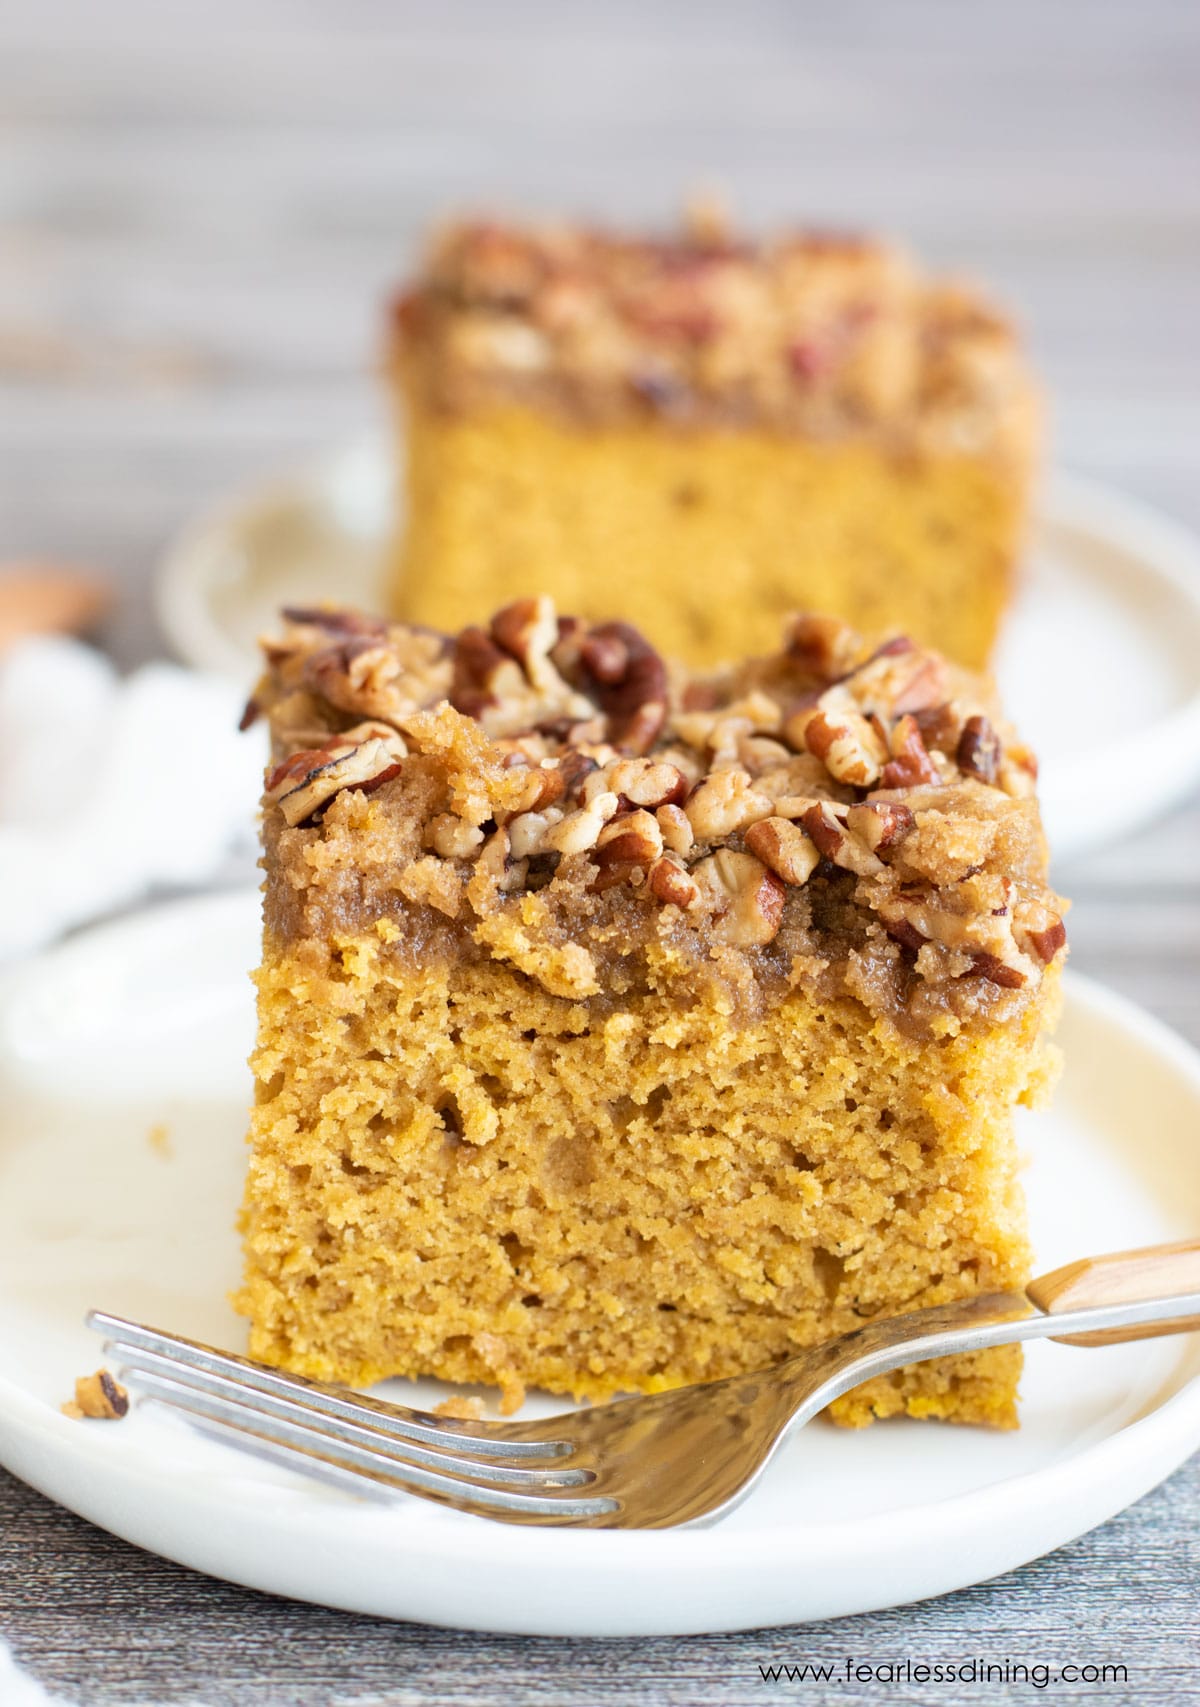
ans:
(814, 332)
(556, 793)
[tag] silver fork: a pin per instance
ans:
(685, 1456)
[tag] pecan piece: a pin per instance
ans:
(579, 831)
(823, 646)
(676, 829)
(364, 767)
(724, 802)
(979, 752)
(528, 630)
(879, 824)
(836, 843)
(645, 783)
(910, 763)
(627, 679)
(482, 672)
(784, 848)
(997, 971)
(846, 742)
(541, 786)
(1038, 930)
(671, 884)
(632, 839)
(746, 899)
(453, 838)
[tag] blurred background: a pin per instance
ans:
(202, 208)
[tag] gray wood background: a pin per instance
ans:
(201, 207)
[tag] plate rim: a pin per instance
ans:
(1162, 1438)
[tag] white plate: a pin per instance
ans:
(148, 1021)
(1099, 663)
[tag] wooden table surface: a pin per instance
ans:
(200, 210)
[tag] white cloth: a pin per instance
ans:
(18, 1689)
(111, 789)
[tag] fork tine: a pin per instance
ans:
(299, 1446)
(137, 1364)
(401, 1424)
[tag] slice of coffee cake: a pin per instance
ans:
(706, 434)
(619, 1029)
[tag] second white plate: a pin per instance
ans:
(122, 1110)
(1099, 665)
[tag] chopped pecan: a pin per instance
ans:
(785, 848)
(645, 783)
(676, 829)
(579, 831)
(324, 772)
(725, 802)
(671, 884)
(897, 679)
(483, 673)
(879, 824)
(496, 861)
(823, 646)
(833, 840)
(527, 832)
(341, 624)
(846, 742)
(910, 763)
(997, 971)
(528, 630)
(634, 839)
(979, 752)
(541, 786)
(1038, 930)
(453, 838)
(746, 899)
(627, 679)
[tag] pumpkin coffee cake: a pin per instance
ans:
(707, 434)
(620, 1028)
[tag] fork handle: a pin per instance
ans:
(1125, 1277)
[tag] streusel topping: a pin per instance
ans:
(814, 332)
(836, 805)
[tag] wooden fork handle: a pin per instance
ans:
(1125, 1277)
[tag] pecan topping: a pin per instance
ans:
(785, 848)
(309, 780)
(628, 680)
(633, 839)
(828, 830)
(879, 824)
(844, 740)
(671, 884)
(480, 668)
(823, 646)
(1038, 930)
(745, 898)
(723, 803)
(979, 752)
(910, 763)
(676, 829)
(536, 759)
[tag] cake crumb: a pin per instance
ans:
(462, 1408)
(159, 1139)
(98, 1396)
(512, 1394)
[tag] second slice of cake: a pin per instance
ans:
(706, 434)
(619, 1030)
